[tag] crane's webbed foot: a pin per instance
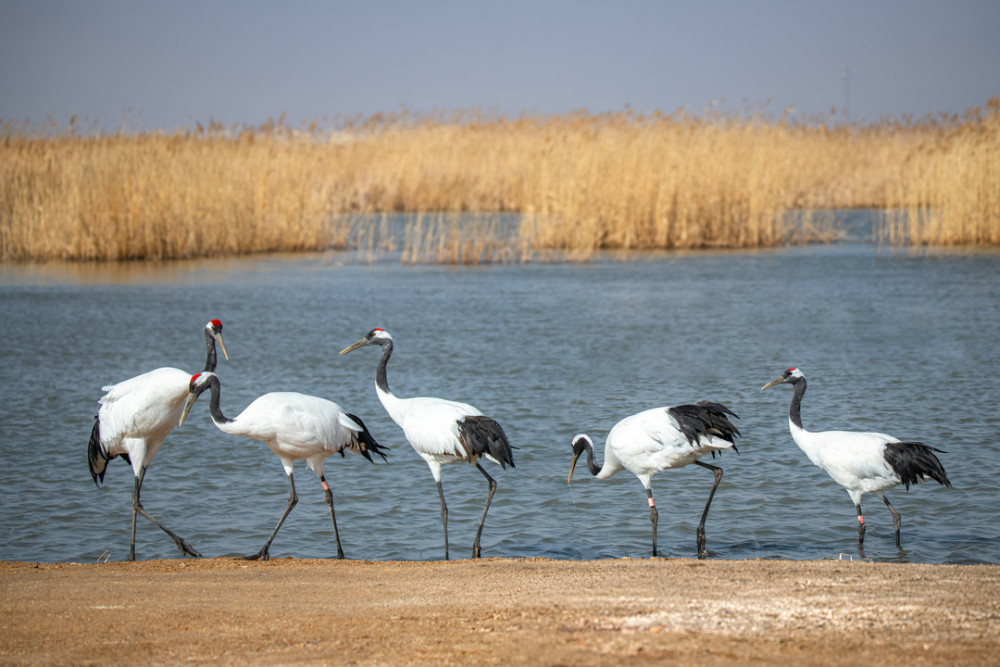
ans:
(187, 548)
(263, 554)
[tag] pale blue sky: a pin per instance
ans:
(177, 62)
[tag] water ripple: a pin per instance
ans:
(905, 345)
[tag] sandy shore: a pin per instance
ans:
(498, 611)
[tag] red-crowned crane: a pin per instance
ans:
(661, 439)
(295, 426)
(135, 417)
(861, 462)
(441, 431)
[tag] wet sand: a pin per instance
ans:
(499, 611)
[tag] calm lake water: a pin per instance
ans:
(891, 342)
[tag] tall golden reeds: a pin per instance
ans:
(948, 189)
(153, 196)
(578, 183)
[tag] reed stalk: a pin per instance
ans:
(578, 183)
(948, 191)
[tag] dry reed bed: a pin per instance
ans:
(579, 183)
(948, 188)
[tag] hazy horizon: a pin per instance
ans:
(166, 66)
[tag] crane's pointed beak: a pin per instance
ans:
(187, 407)
(572, 466)
(773, 382)
(222, 346)
(360, 343)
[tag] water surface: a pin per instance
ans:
(902, 344)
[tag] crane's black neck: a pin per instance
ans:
(210, 359)
(794, 413)
(213, 404)
(380, 376)
(583, 444)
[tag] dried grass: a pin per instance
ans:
(948, 189)
(579, 183)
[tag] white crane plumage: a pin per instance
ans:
(441, 431)
(294, 426)
(861, 462)
(135, 417)
(661, 439)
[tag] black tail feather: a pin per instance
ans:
(705, 418)
(482, 435)
(914, 462)
(96, 458)
(367, 442)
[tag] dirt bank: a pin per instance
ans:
(498, 611)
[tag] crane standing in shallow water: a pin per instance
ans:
(861, 462)
(660, 439)
(135, 417)
(441, 431)
(294, 426)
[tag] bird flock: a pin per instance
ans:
(137, 414)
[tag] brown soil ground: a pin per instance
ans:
(498, 611)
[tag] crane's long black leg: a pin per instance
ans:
(489, 499)
(704, 515)
(861, 525)
(444, 519)
(137, 507)
(329, 501)
(895, 518)
(654, 517)
(264, 552)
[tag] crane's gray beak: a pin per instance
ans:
(360, 343)
(572, 466)
(187, 405)
(773, 382)
(222, 346)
